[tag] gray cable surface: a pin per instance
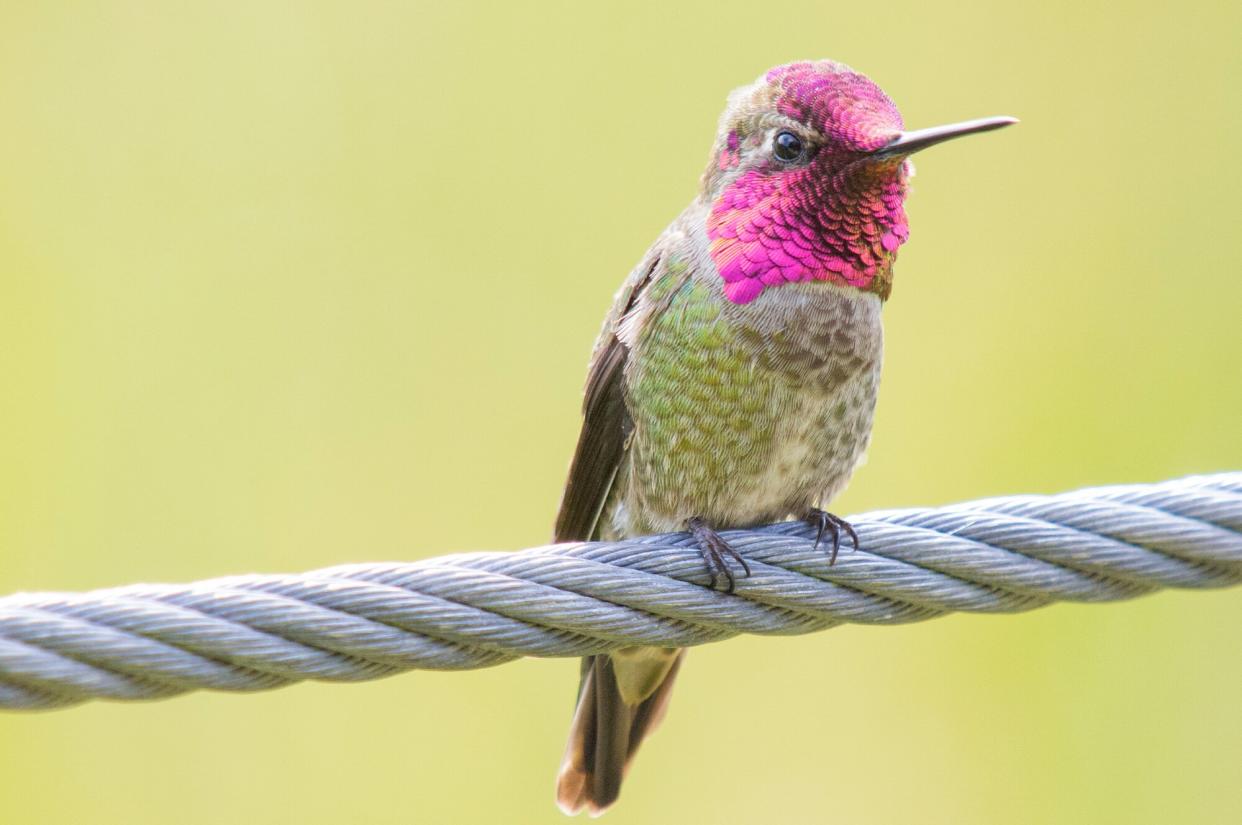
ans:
(364, 621)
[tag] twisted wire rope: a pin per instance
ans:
(469, 610)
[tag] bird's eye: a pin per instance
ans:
(787, 147)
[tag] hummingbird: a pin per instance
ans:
(734, 382)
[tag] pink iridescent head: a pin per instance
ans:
(808, 178)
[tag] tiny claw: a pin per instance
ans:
(715, 550)
(826, 522)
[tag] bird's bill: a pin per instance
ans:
(909, 142)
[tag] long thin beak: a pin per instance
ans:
(909, 142)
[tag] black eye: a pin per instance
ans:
(787, 147)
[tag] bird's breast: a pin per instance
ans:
(817, 335)
(747, 413)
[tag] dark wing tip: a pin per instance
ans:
(601, 444)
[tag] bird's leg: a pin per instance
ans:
(827, 523)
(715, 551)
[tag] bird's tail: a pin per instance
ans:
(621, 698)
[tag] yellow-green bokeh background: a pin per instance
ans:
(285, 285)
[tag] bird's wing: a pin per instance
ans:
(606, 421)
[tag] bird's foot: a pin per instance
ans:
(828, 524)
(716, 551)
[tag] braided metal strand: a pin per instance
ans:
(363, 621)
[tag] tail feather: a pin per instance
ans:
(609, 725)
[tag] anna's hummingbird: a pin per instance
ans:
(735, 378)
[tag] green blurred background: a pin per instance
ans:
(285, 285)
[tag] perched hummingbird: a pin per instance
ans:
(735, 378)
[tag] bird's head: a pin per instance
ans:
(808, 178)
